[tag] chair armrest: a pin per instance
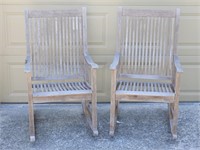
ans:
(27, 68)
(90, 61)
(115, 62)
(177, 64)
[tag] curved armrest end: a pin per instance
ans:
(90, 61)
(115, 62)
(177, 64)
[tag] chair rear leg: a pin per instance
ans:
(31, 120)
(84, 106)
(170, 113)
(117, 108)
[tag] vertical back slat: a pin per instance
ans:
(146, 45)
(67, 46)
(60, 28)
(38, 48)
(150, 45)
(143, 46)
(53, 48)
(80, 46)
(56, 46)
(77, 45)
(49, 46)
(63, 45)
(41, 49)
(139, 44)
(125, 62)
(136, 45)
(70, 45)
(153, 46)
(157, 46)
(73, 46)
(132, 46)
(161, 47)
(46, 47)
(129, 44)
(121, 40)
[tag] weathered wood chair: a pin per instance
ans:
(146, 66)
(58, 65)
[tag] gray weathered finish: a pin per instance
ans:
(146, 66)
(58, 65)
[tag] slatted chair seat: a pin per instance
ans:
(144, 89)
(59, 89)
(146, 67)
(58, 65)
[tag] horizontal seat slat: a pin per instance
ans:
(72, 88)
(146, 76)
(144, 93)
(144, 88)
(61, 93)
(58, 77)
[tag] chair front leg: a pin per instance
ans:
(31, 110)
(31, 120)
(174, 107)
(94, 102)
(113, 104)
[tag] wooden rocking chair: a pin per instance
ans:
(58, 65)
(146, 66)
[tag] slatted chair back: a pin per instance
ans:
(147, 41)
(55, 43)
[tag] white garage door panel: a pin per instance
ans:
(101, 39)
